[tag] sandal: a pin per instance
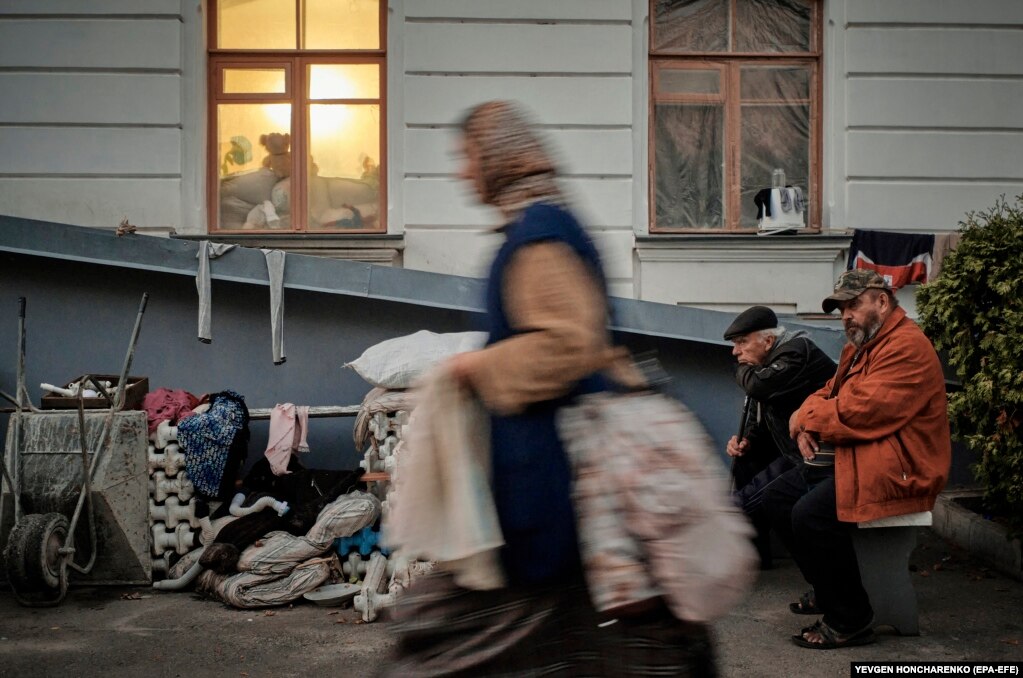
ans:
(832, 639)
(807, 604)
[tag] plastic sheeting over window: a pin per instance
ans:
(734, 97)
(783, 26)
(691, 25)
(775, 120)
(772, 26)
(689, 149)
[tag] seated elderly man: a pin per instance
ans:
(875, 441)
(777, 369)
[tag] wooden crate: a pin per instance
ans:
(136, 390)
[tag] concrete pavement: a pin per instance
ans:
(967, 613)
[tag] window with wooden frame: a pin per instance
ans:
(297, 116)
(735, 93)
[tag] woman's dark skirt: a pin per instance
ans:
(445, 630)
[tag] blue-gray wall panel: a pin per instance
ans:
(80, 316)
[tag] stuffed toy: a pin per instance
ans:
(278, 147)
(263, 216)
(239, 154)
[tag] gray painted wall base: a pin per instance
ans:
(80, 315)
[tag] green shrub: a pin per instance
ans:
(974, 312)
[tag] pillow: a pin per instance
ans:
(398, 362)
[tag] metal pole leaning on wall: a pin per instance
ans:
(131, 351)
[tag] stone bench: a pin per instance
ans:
(883, 547)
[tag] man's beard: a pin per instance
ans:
(858, 335)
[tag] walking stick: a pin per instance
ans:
(747, 405)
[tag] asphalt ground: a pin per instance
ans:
(968, 612)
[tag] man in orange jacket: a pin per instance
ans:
(875, 440)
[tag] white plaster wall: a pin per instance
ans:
(923, 122)
(570, 64)
(933, 110)
(90, 120)
(104, 118)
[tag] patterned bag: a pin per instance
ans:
(215, 444)
(652, 505)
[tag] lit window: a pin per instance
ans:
(735, 94)
(297, 111)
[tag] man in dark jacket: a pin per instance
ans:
(777, 369)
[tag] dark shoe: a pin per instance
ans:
(830, 639)
(807, 604)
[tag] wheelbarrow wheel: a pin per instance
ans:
(33, 552)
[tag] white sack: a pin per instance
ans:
(398, 362)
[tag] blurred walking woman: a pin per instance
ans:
(546, 306)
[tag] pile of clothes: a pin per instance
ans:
(270, 538)
(274, 542)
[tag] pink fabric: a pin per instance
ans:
(165, 404)
(288, 426)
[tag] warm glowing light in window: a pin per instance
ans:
(279, 116)
(330, 84)
(344, 81)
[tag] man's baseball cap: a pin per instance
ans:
(752, 319)
(852, 284)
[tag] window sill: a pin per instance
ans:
(729, 272)
(799, 247)
(370, 248)
(741, 237)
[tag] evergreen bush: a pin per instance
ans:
(974, 312)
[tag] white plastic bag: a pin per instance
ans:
(398, 362)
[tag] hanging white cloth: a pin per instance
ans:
(275, 271)
(207, 251)
(441, 506)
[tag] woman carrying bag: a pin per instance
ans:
(548, 346)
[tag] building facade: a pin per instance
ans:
(903, 117)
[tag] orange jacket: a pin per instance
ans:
(888, 423)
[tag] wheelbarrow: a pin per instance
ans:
(44, 472)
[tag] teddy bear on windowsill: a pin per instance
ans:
(278, 148)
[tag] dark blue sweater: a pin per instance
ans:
(532, 474)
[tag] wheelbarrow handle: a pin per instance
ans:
(121, 386)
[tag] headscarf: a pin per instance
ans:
(516, 169)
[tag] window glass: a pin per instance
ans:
(254, 145)
(297, 135)
(256, 24)
(772, 83)
(342, 24)
(772, 136)
(688, 81)
(733, 97)
(344, 81)
(688, 158)
(344, 166)
(772, 26)
(690, 25)
(255, 81)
